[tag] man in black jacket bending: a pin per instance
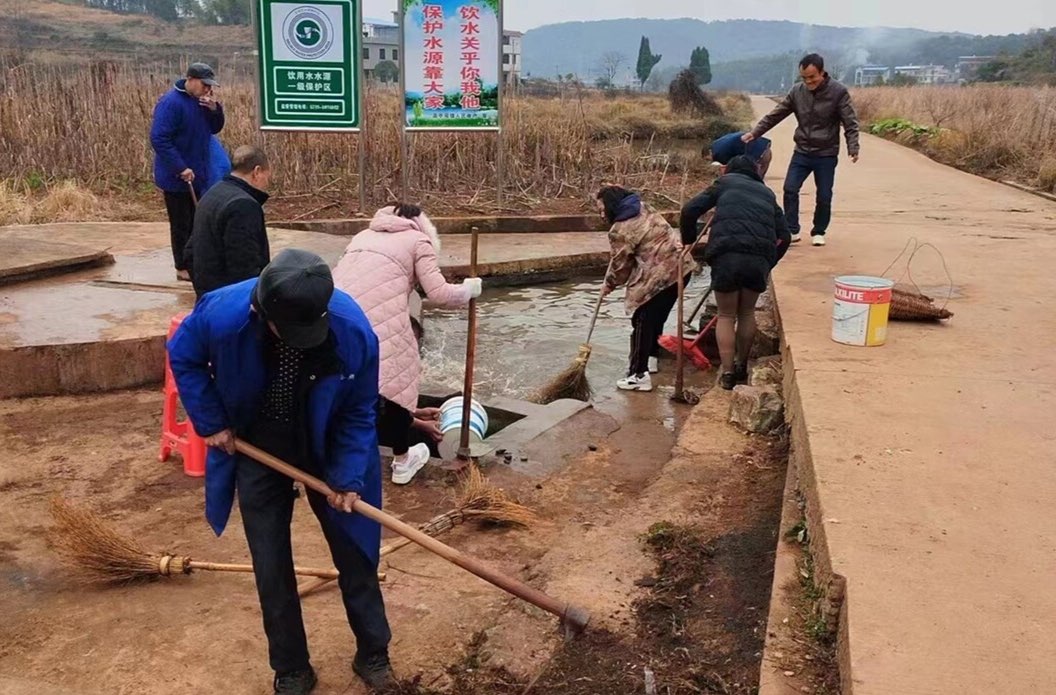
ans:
(230, 241)
(748, 237)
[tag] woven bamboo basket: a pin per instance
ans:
(910, 305)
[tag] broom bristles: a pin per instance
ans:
(571, 383)
(94, 551)
(478, 499)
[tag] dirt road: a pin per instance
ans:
(930, 460)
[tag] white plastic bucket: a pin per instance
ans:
(451, 425)
(860, 310)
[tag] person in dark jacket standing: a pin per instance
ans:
(185, 119)
(821, 105)
(230, 240)
(290, 365)
(748, 237)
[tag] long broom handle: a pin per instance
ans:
(194, 194)
(300, 571)
(572, 616)
(471, 353)
(597, 306)
(680, 355)
(679, 359)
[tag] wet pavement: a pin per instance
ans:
(137, 295)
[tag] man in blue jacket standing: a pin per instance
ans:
(290, 365)
(185, 119)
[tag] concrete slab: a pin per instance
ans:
(928, 463)
(24, 257)
(104, 328)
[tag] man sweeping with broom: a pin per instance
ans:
(291, 366)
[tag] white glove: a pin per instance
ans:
(474, 285)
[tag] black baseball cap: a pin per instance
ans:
(294, 293)
(204, 73)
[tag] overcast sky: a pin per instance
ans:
(973, 16)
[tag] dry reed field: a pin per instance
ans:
(87, 129)
(995, 131)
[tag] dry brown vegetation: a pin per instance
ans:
(90, 125)
(995, 131)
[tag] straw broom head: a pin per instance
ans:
(96, 553)
(571, 383)
(478, 499)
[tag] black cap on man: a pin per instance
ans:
(294, 293)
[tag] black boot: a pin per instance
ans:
(374, 670)
(296, 683)
(740, 372)
(728, 380)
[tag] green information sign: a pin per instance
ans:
(309, 64)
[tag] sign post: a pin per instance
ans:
(310, 65)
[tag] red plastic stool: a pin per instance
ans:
(176, 435)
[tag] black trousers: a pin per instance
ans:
(266, 500)
(648, 325)
(394, 427)
(180, 208)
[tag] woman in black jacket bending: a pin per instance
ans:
(748, 237)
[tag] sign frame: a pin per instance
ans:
(350, 96)
(404, 63)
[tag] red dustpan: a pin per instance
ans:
(690, 348)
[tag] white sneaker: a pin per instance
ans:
(654, 365)
(818, 240)
(635, 382)
(796, 238)
(404, 471)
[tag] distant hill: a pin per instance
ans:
(577, 47)
(50, 29)
(750, 55)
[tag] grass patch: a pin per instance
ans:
(997, 131)
(900, 126)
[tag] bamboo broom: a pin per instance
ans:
(97, 553)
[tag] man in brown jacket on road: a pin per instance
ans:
(821, 105)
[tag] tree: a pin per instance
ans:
(646, 61)
(387, 71)
(231, 11)
(610, 65)
(700, 65)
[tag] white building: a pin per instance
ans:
(511, 57)
(381, 43)
(968, 66)
(925, 74)
(868, 75)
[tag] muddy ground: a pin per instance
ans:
(687, 598)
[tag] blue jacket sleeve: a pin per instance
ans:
(163, 136)
(353, 439)
(189, 360)
(216, 119)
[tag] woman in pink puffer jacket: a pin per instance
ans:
(380, 269)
